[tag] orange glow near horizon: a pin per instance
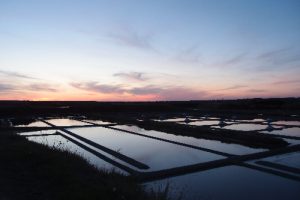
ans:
(71, 94)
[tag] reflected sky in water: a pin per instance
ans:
(232, 182)
(210, 144)
(66, 122)
(156, 154)
(34, 124)
(286, 131)
(60, 142)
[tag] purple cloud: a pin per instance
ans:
(146, 90)
(257, 90)
(233, 87)
(6, 87)
(101, 88)
(15, 74)
(41, 87)
(135, 76)
(31, 87)
(160, 93)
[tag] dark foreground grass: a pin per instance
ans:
(32, 171)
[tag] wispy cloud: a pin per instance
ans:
(235, 60)
(134, 76)
(233, 87)
(41, 87)
(257, 90)
(35, 87)
(146, 90)
(189, 55)
(279, 57)
(6, 87)
(273, 53)
(15, 74)
(157, 93)
(183, 93)
(101, 88)
(132, 38)
(286, 82)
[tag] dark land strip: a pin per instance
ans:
(40, 135)
(271, 171)
(278, 166)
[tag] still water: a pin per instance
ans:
(230, 182)
(290, 159)
(34, 124)
(246, 127)
(66, 122)
(209, 144)
(156, 154)
(59, 142)
(100, 122)
(286, 131)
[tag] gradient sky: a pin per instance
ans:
(133, 50)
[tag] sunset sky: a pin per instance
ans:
(138, 50)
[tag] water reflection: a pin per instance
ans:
(209, 144)
(246, 127)
(157, 154)
(252, 120)
(34, 124)
(66, 122)
(59, 142)
(293, 123)
(41, 132)
(100, 122)
(286, 131)
(290, 159)
(204, 122)
(230, 182)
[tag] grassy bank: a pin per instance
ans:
(33, 171)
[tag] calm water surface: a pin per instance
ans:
(59, 142)
(232, 182)
(156, 154)
(66, 122)
(210, 144)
